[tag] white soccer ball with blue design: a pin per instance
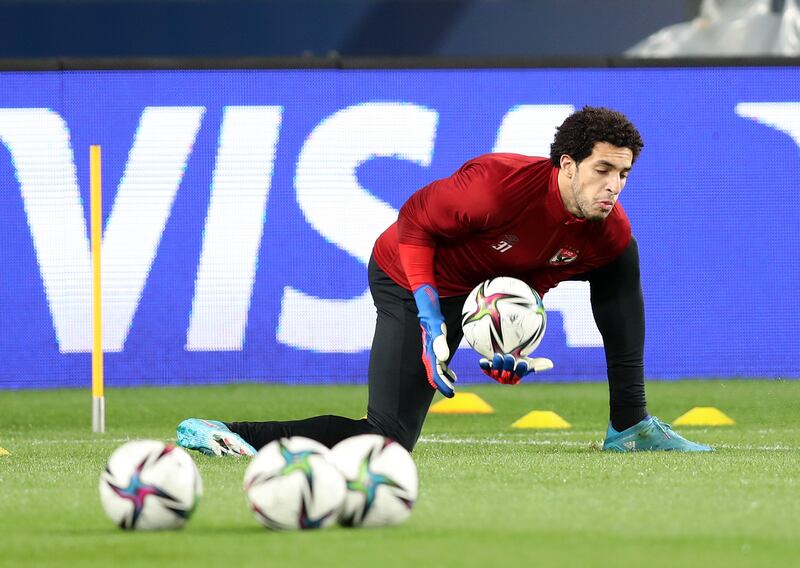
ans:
(503, 315)
(291, 485)
(150, 485)
(382, 481)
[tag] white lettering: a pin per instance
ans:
(529, 129)
(572, 299)
(234, 226)
(39, 144)
(38, 140)
(784, 117)
(347, 215)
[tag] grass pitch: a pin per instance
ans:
(489, 495)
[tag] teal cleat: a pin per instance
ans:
(651, 434)
(212, 438)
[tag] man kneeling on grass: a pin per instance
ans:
(542, 220)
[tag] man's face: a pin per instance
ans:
(595, 183)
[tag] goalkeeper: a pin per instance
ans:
(538, 219)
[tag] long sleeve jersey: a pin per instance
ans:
(500, 215)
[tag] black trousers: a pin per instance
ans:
(399, 392)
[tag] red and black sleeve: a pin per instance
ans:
(618, 308)
(445, 209)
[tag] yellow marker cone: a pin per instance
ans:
(542, 420)
(704, 416)
(462, 403)
(4, 452)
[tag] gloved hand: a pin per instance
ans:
(509, 370)
(435, 351)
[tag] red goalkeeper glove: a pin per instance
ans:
(509, 370)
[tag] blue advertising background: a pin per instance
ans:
(713, 201)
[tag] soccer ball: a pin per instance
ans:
(291, 484)
(503, 315)
(150, 485)
(382, 481)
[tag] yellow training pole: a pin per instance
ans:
(96, 214)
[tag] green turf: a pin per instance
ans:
(490, 495)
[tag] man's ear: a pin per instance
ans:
(568, 165)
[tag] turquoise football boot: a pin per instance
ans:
(651, 434)
(212, 438)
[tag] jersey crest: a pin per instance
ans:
(564, 256)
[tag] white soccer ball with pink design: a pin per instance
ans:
(150, 485)
(503, 315)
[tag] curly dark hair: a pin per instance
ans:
(578, 134)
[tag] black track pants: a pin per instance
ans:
(399, 392)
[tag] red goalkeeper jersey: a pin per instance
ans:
(500, 215)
